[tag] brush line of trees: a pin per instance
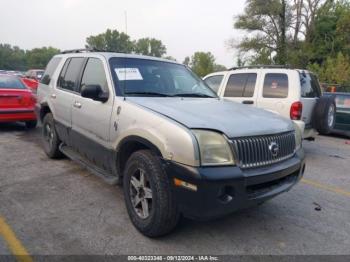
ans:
(15, 58)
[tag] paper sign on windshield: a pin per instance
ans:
(128, 74)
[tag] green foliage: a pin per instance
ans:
(39, 57)
(218, 68)
(149, 46)
(12, 58)
(202, 63)
(266, 22)
(111, 40)
(335, 70)
(114, 41)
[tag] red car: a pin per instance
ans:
(31, 83)
(17, 102)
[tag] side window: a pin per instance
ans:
(309, 85)
(241, 85)
(94, 74)
(275, 86)
(214, 82)
(69, 75)
(50, 69)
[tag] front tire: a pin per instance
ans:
(50, 139)
(148, 196)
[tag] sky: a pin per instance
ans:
(184, 26)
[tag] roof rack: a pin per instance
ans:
(261, 66)
(83, 50)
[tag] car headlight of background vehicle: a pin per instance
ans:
(298, 137)
(214, 148)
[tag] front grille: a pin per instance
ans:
(260, 151)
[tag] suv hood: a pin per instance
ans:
(230, 118)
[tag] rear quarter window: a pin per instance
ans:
(50, 69)
(275, 85)
(309, 85)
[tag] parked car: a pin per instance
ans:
(292, 93)
(342, 115)
(16, 102)
(36, 74)
(31, 83)
(156, 127)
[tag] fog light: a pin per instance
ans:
(226, 194)
(184, 184)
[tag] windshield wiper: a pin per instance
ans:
(147, 94)
(194, 95)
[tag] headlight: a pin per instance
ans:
(298, 136)
(214, 148)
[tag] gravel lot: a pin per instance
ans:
(56, 207)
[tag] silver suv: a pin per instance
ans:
(155, 127)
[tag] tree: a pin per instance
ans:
(111, 40)
(266, 23)
(278, 29)
(218, 68)
(202, 63)
(169, 57)
(187, 61)
(335, 70)
(39, 57)
(149, 46)
(12, 58)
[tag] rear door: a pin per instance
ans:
(64, 94)
(273, 94)
(241, 87)
(310, 92)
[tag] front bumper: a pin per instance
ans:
(222, 190)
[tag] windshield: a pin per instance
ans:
(141, 77)
(10, 82)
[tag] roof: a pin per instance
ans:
(108, 55)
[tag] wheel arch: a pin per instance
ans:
(130, 144)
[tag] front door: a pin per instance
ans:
(91, 119)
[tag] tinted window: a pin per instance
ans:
(69, 75)
(214, 82)
(309, 85)
(275, 86)
(240, 85)
(94, 74)
(142, 77)
(11, 82)
(50, 69)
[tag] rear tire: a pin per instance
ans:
(162, 214)
(31, 124)
(324, 115)
(50, 138)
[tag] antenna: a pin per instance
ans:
(126, 21)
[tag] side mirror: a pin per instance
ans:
(94, 92)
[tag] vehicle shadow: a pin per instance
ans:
(16, 126)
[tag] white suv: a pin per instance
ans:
(154, 126)
(292, 93)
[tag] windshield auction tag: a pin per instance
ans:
(128, 74)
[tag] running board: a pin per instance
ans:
(76, 157)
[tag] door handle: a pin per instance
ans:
(53, 96)
(77, 104)
(248, 102)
